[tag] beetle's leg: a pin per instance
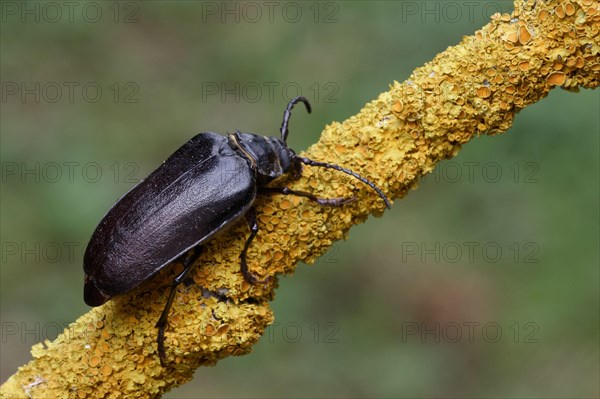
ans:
(188, 262)
(321, 201)
(253, 224)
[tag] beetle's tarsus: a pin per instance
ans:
(162, 322)
(251, 278)
(160, 341)
(339, 201)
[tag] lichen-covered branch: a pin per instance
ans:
(470, 89)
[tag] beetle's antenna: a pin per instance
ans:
(288, 112)
(310, 162)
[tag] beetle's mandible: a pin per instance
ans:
(203, 188)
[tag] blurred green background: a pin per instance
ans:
(484, 282)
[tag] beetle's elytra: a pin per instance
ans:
(204, 187)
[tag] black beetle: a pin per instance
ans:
(201, 189)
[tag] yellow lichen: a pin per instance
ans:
(484, 92)
(557, 78)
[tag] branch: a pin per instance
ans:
(470, 89)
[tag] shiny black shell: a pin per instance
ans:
(200, 189)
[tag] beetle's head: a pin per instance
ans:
(289, 161)
(269, 157)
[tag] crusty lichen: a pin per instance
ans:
(470, 89)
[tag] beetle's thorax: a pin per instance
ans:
(269, 157)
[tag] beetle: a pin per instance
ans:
(203, 188)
